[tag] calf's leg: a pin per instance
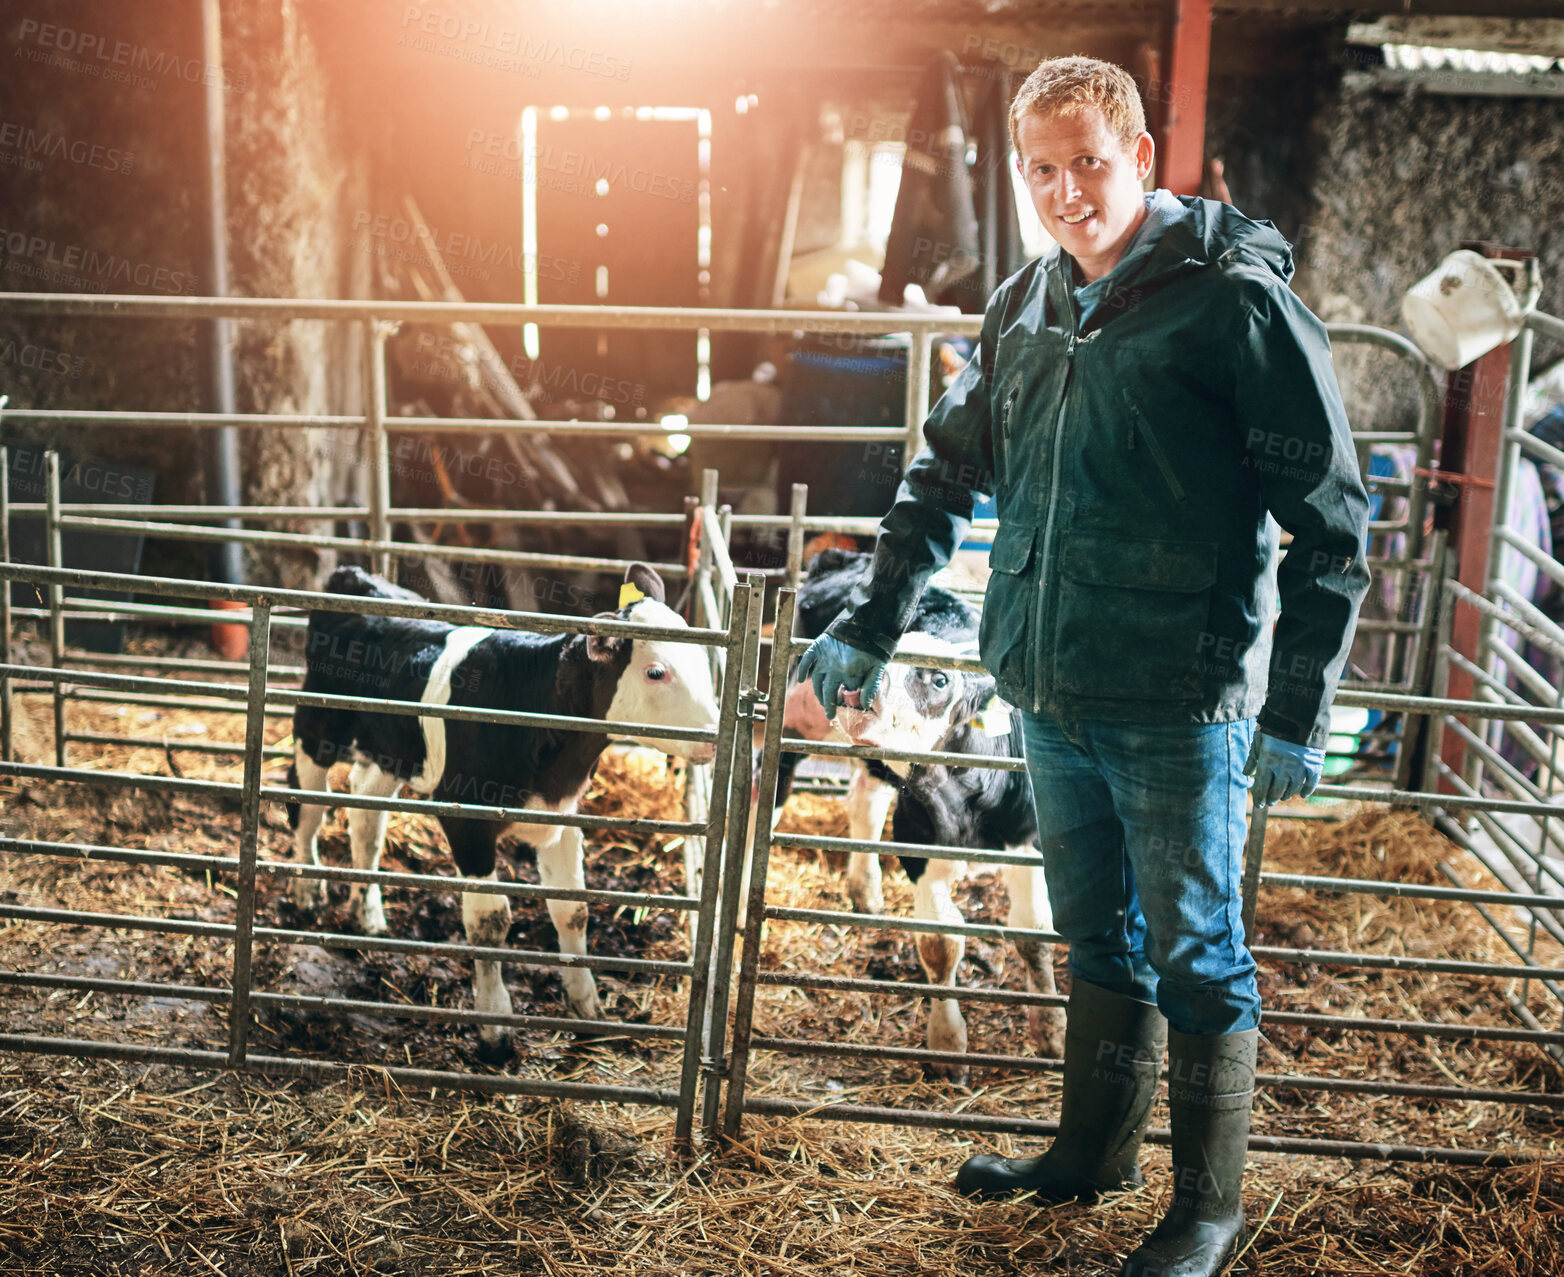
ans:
(868, 803)
(367, 833)
(1029, 909)
(941, 956)
(486, 919)
(309, 894)
(559, 865)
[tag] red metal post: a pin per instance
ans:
(1473, 431)
(1181, 140)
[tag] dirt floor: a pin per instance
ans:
(112, 1168)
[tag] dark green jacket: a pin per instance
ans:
(1135, 458)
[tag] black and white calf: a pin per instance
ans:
(397, 658)
(969, 807)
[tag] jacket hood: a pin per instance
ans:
(1208, 231)
(1183, 231)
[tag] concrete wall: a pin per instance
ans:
(103, 147)
(97, 195)
(1404, 179)
(1374, 187)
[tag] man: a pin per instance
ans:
(1143, 398)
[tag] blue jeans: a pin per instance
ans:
(1142, 832)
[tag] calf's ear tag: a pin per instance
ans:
(994, 718)
(629, 594)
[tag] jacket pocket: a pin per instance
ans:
(1139, 426)
(1012, 547)
(1004, 639)
(1133, 617)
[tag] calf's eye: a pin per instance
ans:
(656, 673)
(940, 680)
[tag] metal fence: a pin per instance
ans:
(718, 1040)
(1510, 751)
(753, 976)
(244, 933)
(1416, 570)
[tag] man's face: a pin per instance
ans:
(1085, 184)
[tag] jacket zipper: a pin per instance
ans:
(1005, 414)
(1036, 647)
(1139, 425)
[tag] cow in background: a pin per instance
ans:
(972, 808)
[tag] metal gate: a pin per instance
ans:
(719, 1040)
(258, 699)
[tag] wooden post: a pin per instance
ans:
(1181, 141)
(1473, 432)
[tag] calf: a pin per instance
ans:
(973, 808)
(540, 769)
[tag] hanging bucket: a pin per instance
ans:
(1462, 311)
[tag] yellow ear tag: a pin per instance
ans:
(629, 594)
(994, 718)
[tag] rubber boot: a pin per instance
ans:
(1210, 1090)
(1112, 1055)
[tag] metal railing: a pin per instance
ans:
(754, 977)
(734, 602)
(1405, 566)
(245, 932)
(378, 320)
(1512, 750)
(705, 1057)
(377, 426)
(714, 1090)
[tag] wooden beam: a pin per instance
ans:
(1429, 8)
(1536, 84)
(1181, 145)
(1539, 36)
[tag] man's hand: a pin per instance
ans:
(835, 667)
(1282, 770)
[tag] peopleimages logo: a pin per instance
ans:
(503, 48)
(22, 146)
(86, 269)
(567, 170)
(419, 458)
(460, 253)
(116, 60)
(85, 477)
(35, 358)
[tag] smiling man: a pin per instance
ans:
(1147, 403)
(1084, 176)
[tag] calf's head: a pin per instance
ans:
(918, 709)
(660, 680)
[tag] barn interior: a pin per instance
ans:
(724, 156)
(748, 126)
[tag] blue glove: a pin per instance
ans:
(1282, 770)
(836, 667)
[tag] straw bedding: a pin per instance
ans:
(136, 1169)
